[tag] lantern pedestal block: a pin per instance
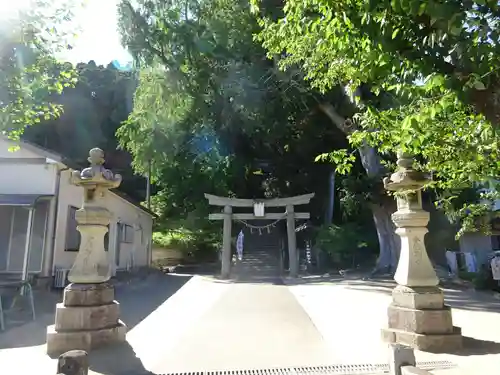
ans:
(88, 318)
(419, 318)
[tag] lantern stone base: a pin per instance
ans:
(88, 318)
(419, 318)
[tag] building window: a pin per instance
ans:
(127, 233)
(72, 235)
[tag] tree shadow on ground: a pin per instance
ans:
(137, 298)
(472, 300)
(252, 275)
(117, 360)
(473, 346)
(257, 280)
(455, 296)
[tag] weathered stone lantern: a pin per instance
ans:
(89, 316)
(418, 316)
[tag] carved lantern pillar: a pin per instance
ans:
(418, 316)
(89, 316)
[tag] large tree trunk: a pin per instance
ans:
(331, 198)
(389, 241)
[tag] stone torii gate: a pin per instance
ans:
(259, 214)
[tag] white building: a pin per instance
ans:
(482, 245)
(35, 184)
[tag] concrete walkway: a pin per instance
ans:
(189, 324)
(350, 314)
(257, 325)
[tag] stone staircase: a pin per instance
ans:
(261, 255)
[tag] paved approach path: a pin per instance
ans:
(250, 325)
(349, 313)
(207, 324)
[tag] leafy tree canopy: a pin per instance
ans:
(432, 68)
(93, 110)
(28, 43)
(211, 111)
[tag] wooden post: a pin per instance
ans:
(226, 243)
(292, 243)
(74, 362)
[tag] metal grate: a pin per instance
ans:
(362, 369)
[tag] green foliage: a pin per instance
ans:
(29, 73)
(212, 113)
(356, 192)
(93, 110)
(471, 208)
(432, 68)
(189, 103)
(177, 239)
(482, 280)
(467, 276)
(389, 43)
(341, 158)
(185, 237)
(185, 240)
(346, 240)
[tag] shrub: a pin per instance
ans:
(343, 243)
(482, 280)
(187, 241)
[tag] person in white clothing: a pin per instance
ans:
(239, 245)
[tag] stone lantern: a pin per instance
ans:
(89, 316)
(418, 316)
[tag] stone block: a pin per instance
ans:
(436, 343)
(88, 294)
(104, 337)
(421, 321)
(418, 297)
(62, 341)
(74, 362)
(74, 318)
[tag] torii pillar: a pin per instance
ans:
(89, 316)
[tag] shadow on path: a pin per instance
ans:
(473, 346)
(117, 360)
(457, 298)
(472, 300)
(138, 299)
(271, 280)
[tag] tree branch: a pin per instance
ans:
(370, 158)
(345, 125)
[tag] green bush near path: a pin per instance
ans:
(482, 280)
(347, 244)
(199, 244)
